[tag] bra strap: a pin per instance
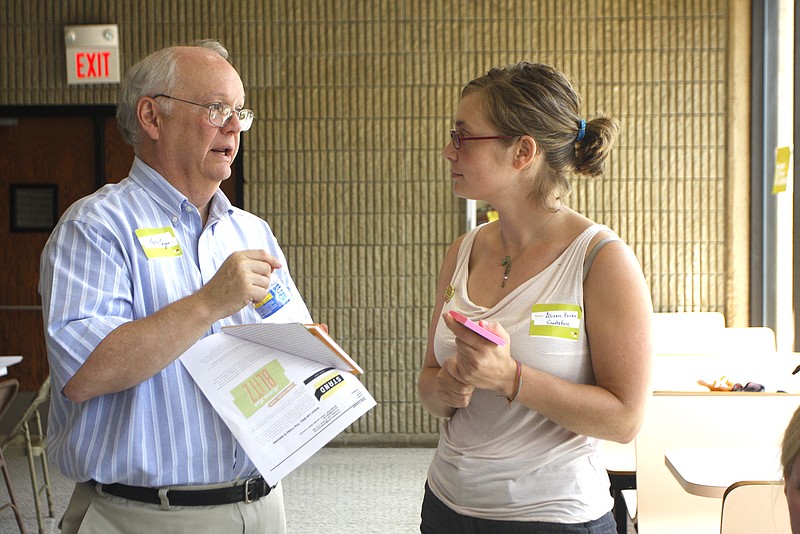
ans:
(590, 258)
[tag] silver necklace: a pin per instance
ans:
(506, 261)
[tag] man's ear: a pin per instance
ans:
(149, 116)
(526, 152)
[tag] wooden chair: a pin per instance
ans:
(27, 437)
(723, 351)
(8, 392)
(620, 463)
(673, 333)
(749, 507)
(675, 420)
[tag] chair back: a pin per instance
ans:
(676, 420)
(8, 392)
(747, 339)
(30, 411)
(28, 438)
(686, 332)
(749, 507)
(706, 333)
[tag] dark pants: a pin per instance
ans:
(438, 518)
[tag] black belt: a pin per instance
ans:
(252, 490)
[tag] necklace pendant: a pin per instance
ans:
(507, 264)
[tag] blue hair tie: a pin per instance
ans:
(581, 132)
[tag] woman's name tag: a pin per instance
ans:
(556, 320)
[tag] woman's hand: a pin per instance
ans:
(451, 388)
(480, 362)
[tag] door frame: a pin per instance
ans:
(99, 114)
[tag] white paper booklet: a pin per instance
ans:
(284, 390)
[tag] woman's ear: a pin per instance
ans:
(149, 116)
(526, 152)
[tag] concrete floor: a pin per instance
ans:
(358, 491)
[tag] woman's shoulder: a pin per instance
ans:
(577, 225)
(474, 237)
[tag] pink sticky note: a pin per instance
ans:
(478, 329)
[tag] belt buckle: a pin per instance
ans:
(247, 489)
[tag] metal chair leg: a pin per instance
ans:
(47, 488)
(45, 469)
(34, 481)
(13, 503)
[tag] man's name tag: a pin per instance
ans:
(159, 242)
(556, 320)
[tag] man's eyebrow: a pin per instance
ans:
(218, 97)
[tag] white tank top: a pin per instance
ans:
(510, 463)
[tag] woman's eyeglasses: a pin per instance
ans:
(458, 139)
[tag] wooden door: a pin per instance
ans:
(57, 153)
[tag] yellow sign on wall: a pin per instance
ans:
(783, 160)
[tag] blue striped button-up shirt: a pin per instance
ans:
(95, 276)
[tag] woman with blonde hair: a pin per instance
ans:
(519, 447)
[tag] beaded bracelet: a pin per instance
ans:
(518, 383)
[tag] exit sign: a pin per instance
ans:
(92, 53)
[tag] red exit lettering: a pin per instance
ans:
(92, 64)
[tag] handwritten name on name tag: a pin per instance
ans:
(556, 320)
(159, 242)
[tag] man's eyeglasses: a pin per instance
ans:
(220, 114)
(458, 139)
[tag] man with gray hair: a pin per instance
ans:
(131, 277)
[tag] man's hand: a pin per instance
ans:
(242, 278)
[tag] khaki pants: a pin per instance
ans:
(93, 512)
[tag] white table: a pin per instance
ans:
(8, 361)
(709, 471)
(680, 372)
